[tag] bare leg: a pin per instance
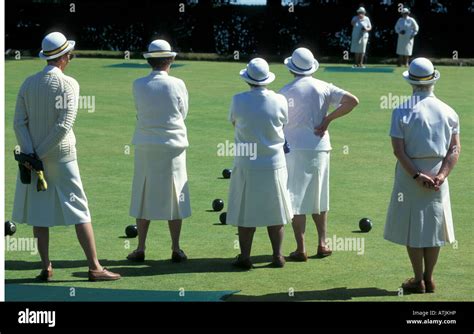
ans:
(361, 59)
(299, 229)
(357, 59)
(175, 232)
(85, 235)
(321, 225)
(245, 240)
(430, 255)
(400, 61)
(142, 227)
(416, 258)
(42, 236)
(276, 234)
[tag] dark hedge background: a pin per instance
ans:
(220, 27)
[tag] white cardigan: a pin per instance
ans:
(45, 111)
(162, 106)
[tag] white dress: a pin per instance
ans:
(309, 101)
(406, 30)
(360, 37)
(258, 194)
(160, 184)
(420, 217)
(45, 112)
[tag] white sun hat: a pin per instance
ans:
(257, 72)
(361, 10)
(55, 45)
(159, 48)
(421, 72)
(405, 10)
(302, 62)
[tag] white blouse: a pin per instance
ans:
(162, 106)
(409, 25)
(426, 124)
(357, 31)
(259, 116)
(309, 100)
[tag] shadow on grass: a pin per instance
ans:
(137, 269)
(329, 294)
(137, 65)
(33, 280)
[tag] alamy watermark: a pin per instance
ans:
(346, 244)
(391, 101)
(83, 102)
(13, 244)
(231, 149)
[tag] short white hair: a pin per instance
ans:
(423, 88)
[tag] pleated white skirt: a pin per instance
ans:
(419, 217)
(405, 45)
(160, 184)
(259, 197)
(308, 181)
(63, 203)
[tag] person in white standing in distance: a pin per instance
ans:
(360, 36)
(406, 28)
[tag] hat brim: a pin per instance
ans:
(244, 75)
(436, 77)
(289, 64)
(159, 54)
(69, 48)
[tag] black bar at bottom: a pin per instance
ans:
(443, 316)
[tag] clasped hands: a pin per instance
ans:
(429, 182)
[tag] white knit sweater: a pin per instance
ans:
(46, 108)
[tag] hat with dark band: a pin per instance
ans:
(257, 72)
(55, 45)
(159, 48)
(421, 72)
(302, 62)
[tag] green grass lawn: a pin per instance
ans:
(361, 184)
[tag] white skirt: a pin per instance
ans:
(258, 197)
(405, 45)
(160, 184)
(308, 181)
(63, 203)
(419, 217)
(359, 42)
